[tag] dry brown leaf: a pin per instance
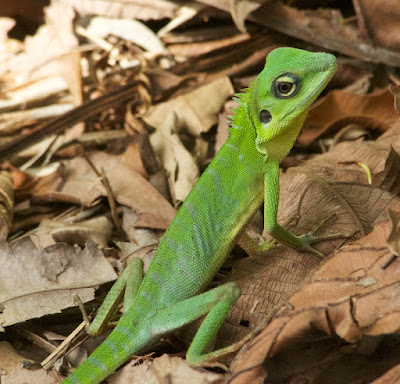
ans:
(164, 369)
(129, 188)
(382, 22)
(338, 108)
(352, 295)
(55, 275)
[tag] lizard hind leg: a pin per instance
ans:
(215, 304)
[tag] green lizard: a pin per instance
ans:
(243, 173)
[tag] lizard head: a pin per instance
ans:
(281, 95)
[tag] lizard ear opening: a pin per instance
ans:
(265, 116)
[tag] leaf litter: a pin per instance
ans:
(104, 188)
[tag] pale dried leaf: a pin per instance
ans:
(130, 30)
(12, 122)
(240, 9)
(181, 169)
(36, 91)
(140, 237)
(51, 41)
(165, 368)
(38, 281)
(184, 13)
(133, 9)
(395, 91)
(393, 240)
(97, 230)
(196, 111)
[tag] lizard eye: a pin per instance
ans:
(265, 116)
(286, 86)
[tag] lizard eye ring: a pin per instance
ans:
(286, 86)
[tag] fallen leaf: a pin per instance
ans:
(127, 29)
(240, 9)
(393, 239)
(182, 171)
(56, 274)
(156, 10)
(395, 91)
(382, 22)
(97, 230)
(197, 110)
(338, 108)
(129, 188)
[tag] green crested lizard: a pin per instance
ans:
(243, 173)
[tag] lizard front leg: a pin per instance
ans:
(271, 201)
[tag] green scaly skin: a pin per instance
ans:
(243, 174)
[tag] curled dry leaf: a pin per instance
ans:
(39, 281)
(393, 240)
(6, 203)
(321, 188)
(395, 91)
(353, 296)
(240, 9)
(338, 108)
(130, 30)
(179, 164)
(182, 115)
